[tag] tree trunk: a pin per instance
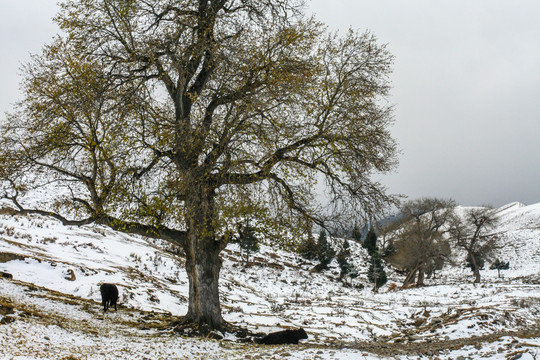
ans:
(476, 269)
(203, 263)
(410, 277)
(476, 275)
(420, 281)
(203, 266)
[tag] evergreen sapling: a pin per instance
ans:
(325, 252)
(370, 243)
(376, 272)
(343, 261)
(308, 247)
(248, 240)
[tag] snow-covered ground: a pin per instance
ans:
(51, 307)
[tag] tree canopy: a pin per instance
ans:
(420, 246)
(172, 118)
(471, 233)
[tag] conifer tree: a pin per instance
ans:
(370, 243)
(343, 260)
(308, 247)
(325, 252)
(356, 234)
(248, 240)
(376, 272)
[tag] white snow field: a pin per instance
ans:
(51, 308)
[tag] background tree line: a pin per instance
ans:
(427, 230)
(418, 241)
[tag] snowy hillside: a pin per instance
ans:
(51, 309)
(518, 231)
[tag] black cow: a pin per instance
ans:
(284, 337)
(109, 296)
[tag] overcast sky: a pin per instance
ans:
(466, 87)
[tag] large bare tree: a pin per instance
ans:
(172, 118)
(471, 233)
(420, 243)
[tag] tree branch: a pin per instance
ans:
(176, 237)
(266, 167)
(293, 204)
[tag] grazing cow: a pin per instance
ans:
(284, 337)
(109, 296)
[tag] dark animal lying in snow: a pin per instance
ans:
(109, 296)
(6, 275)
(284, 337)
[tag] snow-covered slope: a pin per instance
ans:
(276, 290)
(519, 229)
(518, 233)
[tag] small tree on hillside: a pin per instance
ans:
(417, 249)
(376, 273)
(370, 243)
(500, 265)
(356, 234)
(342, 258)
(249, 242)
(325, 252)
(471, 235)
(308, 246)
